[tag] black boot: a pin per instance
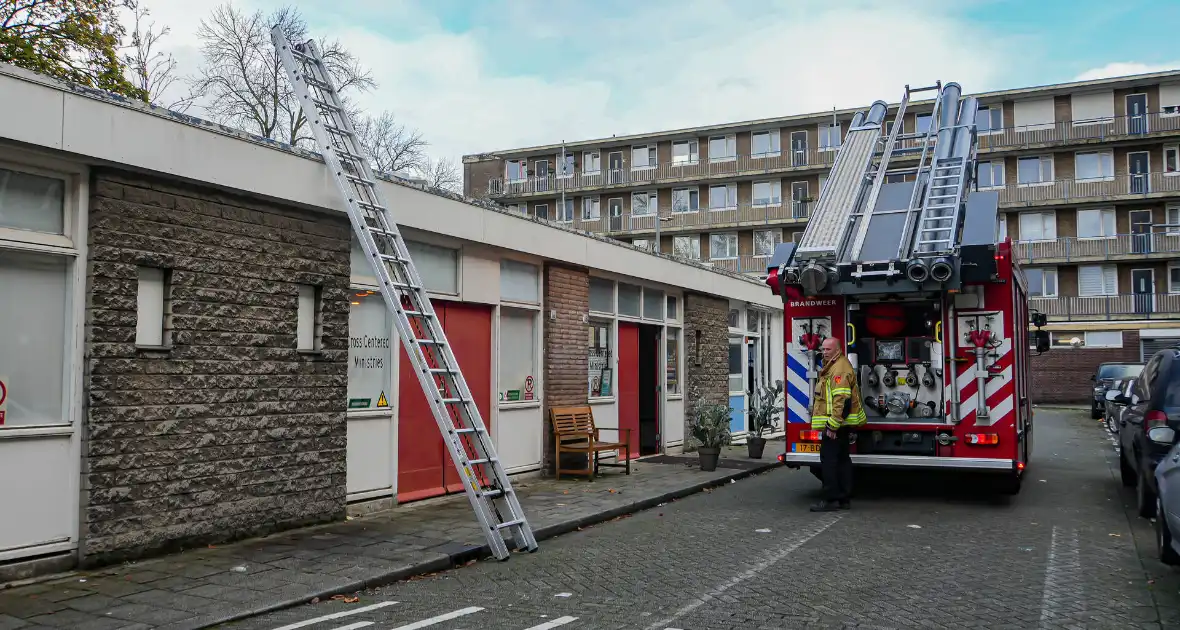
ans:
(825, 506)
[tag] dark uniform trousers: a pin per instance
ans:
(835, 464)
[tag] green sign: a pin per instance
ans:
(360, 403)
(514, 394)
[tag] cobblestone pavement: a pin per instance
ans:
(1065, 553)
(204, 587)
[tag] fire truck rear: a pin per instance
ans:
(901, 260)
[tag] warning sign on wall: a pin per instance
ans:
(528, 388)
(382, 402)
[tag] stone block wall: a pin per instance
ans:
(230, 431)
(706, 346)
(567, 293)
(1062, 375)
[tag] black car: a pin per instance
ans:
(1115, 410)
(1154, 401)
(1107, 374)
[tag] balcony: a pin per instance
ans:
(1071, 191)
(1072, 249)
(1110, 307)
(1145, 127)
(742, 215)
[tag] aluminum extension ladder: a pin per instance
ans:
(487, 485)
(940, 214)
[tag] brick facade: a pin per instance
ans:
(567, 295)
(706, 334)
(230, 432)
(1062, 375)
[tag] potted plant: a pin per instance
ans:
(710, 428)
(764, 413)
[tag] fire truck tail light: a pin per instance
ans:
(782, 457)
(989, 439)
(809, 436)
(1019, 465)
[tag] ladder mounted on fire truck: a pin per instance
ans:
(487, 484)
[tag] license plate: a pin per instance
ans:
(805, 448)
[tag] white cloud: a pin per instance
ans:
(1123, 68)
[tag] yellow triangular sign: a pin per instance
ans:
(381, 402)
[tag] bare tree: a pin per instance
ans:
(391, 146)
(151, 70)
(441, 174)
(244, 81)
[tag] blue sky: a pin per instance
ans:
(479, 75)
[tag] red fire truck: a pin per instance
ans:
(901, 260)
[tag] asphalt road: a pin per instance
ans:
(1067, 552)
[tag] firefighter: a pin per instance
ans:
(835, 408)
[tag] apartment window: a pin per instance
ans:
(1034, 114)
(643, 243)
(989, 119)
(601, 376)
(308, 328)
(1171, 160)
(1097, 280)
(520, 282)
(1094, 165)
(686, 152)
(687, 246)
(516, 170)
(922, 123)
(643, 156)
(644, 203)
(1170, 99)
(1093, 108)
(686, 200)
(1103, 339)
(153, 308)
(1172, 218)
(602, 295)
(766, 143)
(1038, 226)
(591, 163)
(796, 237)
(823, 181)
(722, 148)
(1096, 223)
(990, 174)
(1035, 170)
(518, 353)
(768, 193)
(1042, 281)
(542, 210)
(723, 246)
(591, 210)
(565, 212)
(723, 197)
(565, 168)
(1173, 278)
(829, 137)
(765, 241)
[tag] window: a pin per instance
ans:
(1042, 281)
(644, 203)
(591, 210)
(765, 241)
(34, 359)
(153, 308)
(370, 367)
(1094, 165)
(990, 174)
(1096, 223)
(565, 214)
(1001, 228)
(796, 237)
(1038, 226)
(521, 208)
(516, 170)
(602, 295)
(766, 143)
(601, 377)
(685, 152)
(565, 168)
(1171, 160)
(438, 266)
(829, 137)
(723, 246)
(629, 299)
(736, 377)
(1170, 99)
(687, 247)
(722, 148)
(591, 163)
(643, 243)
(1033, 114)
(1097, 280)
(643, 156)
(768, 193)
(1104, 339)
(989, 119)
(542, 210)
(308, 328)
(520, 282)
(518, 354)
(823, 181)
(32, 202)
(673, 313)
(686, 200)
(1034, 170)
(672, 367)
(653, 303)
(1093, 108)
(723, 197)
(922, 123)
(1173, 278)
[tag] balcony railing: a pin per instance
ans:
(1076, 249)
(1097, 307)
(741, 215)
(1090, 190)
(1119, 128)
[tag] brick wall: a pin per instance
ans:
(230, 432)
(1062, 375)
(706, 334)
(567, 292)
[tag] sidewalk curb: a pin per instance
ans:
(481, 552)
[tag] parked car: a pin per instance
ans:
(1114, 410)
(1167, 503)
(1108, 373)
(1153, 401)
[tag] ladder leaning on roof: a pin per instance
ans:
(484, 479)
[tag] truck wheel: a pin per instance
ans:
(1126, 473)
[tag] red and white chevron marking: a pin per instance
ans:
(1000, 390)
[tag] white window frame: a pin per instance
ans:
(1045, 272)
(731, 202)
(1105, 118)
(1089, 343)
(1173, 287)
(566, 214)
(1050, 221)
(729, 236)
(1043, 160)
(1104, 158)
(776, 193)
(642, 243)
(1105, 268)
(652, 157)
(991, 111)
(537, 210)
(523, 169)
(560, 165)
(1023, 111)
(538, 356)
(823, 132)
(653, 203)
(917, 122)
(1106, 218)
(992, 165)
(776, 238)
(694, 153)
(730, 141)
(1174, 149)
(153, 308)
(591, 208)
(774, 139)
(1172, 218)
(690, 192)
(694, 241)
(594, 158)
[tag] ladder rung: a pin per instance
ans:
(512, 523)
(488, 494)
(359, 180)
(338, 131)
(393, 258)
(418, 314)
(315, 82)
(327, 106)
(471, 430)
(455, 401)
(442, 371)
(430, 342)
(477, 462)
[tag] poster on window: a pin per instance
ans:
(370, 370)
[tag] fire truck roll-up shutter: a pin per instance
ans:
(1151, 345)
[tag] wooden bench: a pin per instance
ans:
(574, 432)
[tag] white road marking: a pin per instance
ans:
(767, 562)
(440, 618)
(336, 615)
(354, 626)
(560, 621)
(1060, 573)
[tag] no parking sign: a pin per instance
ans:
(528, 388)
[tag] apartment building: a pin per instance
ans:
(1088, 174)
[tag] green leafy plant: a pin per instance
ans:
(710, 421)
(765, 409)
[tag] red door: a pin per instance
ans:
(469, 329)
(629, 383)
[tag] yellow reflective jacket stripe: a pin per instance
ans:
(825, 417)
